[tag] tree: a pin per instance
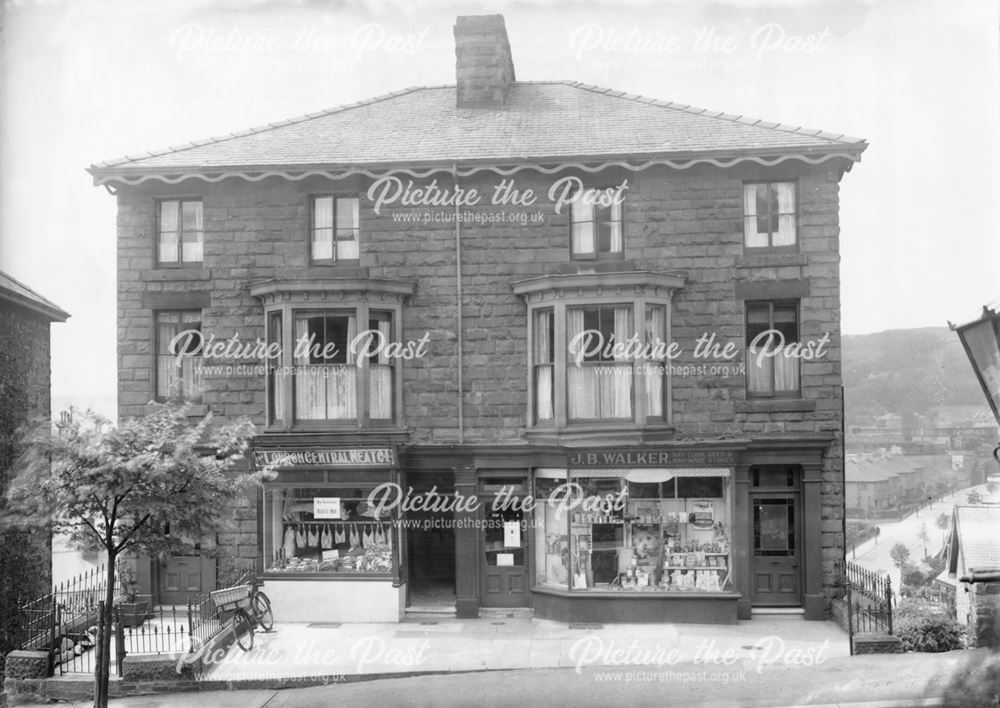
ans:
(118, 489)
(974, 497)
(943, 522)
(899, 554)
(924, 536)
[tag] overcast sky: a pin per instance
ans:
(90, 80)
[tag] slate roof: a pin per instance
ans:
(540, 120)
(867, 471)
(977, 529)
(16, 292)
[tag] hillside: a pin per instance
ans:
(906, 371)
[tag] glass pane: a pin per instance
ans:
(347, 213)
(323, 213)
(347, 246)
(192, 218)
(772, 526)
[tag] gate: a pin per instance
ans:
(869, 602)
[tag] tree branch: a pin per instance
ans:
(134, 528)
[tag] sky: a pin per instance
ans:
(90, 80)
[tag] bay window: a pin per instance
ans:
(770, 328)
(335, 347)
(598, 359)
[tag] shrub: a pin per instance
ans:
(928, 627)
(912, 576)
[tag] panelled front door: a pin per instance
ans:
(504, 559)
(179, 577)
(775, 564)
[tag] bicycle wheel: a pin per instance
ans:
(262, 609)
(243, 629)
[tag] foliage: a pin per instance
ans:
(974, 497)
(120, 489)
(935, 565)
(899, 554)
(943, 521)
(991, 487)
(912, 576)
(858, 532)
(927, 627)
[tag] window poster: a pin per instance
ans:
(702, 514)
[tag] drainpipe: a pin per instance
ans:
(458, 304)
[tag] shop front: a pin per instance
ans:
(329, 554)
(646, 542)
(704, 534)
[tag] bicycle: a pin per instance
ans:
(250, 607)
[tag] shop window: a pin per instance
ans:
(179, 232)
(326, 530)
(769, 215)
(771, 328)
(596, 227)
(332, 371)
(335, 229)
(647, 530)
(178, 355)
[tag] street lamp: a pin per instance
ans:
(981, 340)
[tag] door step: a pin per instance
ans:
(778, 610)
(506, 612)
(443, 610)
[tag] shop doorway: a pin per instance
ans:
(776, 548)
(430, 548)
(504, 571)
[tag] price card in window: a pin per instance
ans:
(702, 514)
(505, 559)
(511, 534)
(326, 507)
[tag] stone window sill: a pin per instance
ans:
(174, 274)
(766, 260)
(195, 410)
(776, 405)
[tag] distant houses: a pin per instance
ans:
(944, 428)
(882, 484)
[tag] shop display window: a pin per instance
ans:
(635, 530)
(327, 530)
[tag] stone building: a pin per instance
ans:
(25, 385)
(621, 312)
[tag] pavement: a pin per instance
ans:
(965, 679)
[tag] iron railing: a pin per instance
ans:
(869, 601)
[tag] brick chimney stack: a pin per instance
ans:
(484, 68)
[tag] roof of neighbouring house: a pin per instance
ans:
(20, 294)
(867, 471)
(974, 535)
(552, 124)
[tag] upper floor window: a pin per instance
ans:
(769, 215)
(596, 359)
(179, 232)
(599, 373)
(771, 327)
(596, 227)
(335, 229)
(339, 369)
(178, 355)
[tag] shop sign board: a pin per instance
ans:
(329, 457)
(682, 457)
